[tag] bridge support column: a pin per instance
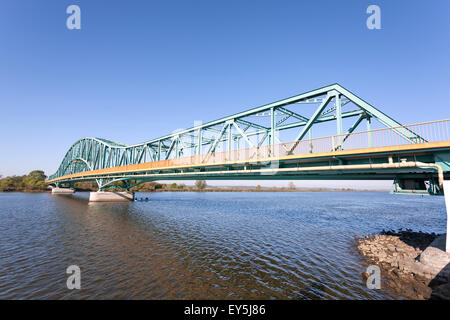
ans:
(447, 205)
(111, 196)
(58, 190)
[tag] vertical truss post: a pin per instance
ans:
(238, 146)
(369, 132)
(272, 130)
(177, 147)
(159, 150)
(230, 137)
(199, 141)
(338, 120)
(310, 141)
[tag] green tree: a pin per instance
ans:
(35, 180)
(200, 184)
(7, 184)
(37, 175)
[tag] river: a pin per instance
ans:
(200, 245)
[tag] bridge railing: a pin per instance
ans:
(434, 131)
(423, 132)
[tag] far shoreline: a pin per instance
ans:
(217, 189)
(35, 182)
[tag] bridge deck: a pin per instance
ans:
(192, 166)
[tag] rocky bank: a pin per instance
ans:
(413, 264)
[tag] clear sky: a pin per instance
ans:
(140, 69)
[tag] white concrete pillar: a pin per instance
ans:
(57, 190)
(447, 205)
(110, 196)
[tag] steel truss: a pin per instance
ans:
(257, 127)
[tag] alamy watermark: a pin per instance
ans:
(374, 279)
(74, 280)
(74, 20)
(373, 22)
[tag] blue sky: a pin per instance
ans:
(140, 69)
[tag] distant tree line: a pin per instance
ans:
(144, 187)
(155, 186)
(34, 181)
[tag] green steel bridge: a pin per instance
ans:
(276, 141)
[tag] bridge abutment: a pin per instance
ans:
(111, 196)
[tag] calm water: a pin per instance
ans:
(200, 245)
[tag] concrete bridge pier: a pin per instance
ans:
(447, 205)
(58, 190)
(111, 196)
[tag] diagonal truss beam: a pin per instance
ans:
(380, 116)
(216, 142)
(293, 114)
(354, 126)
(311, 121)
(243, 134)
